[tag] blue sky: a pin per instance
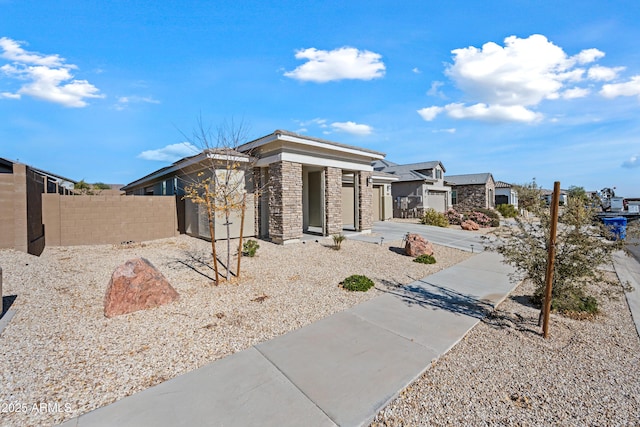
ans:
(106, 91)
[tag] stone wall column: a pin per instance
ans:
(365, 201)
(21, 239)
(285, 201)
(333, 200)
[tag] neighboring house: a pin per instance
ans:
(472, 191)
(21, 189)
(419, 186)
(506, 194)
(306, 185)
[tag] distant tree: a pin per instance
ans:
(101, 186)
(85, 188)
(529, 196)
(578, 193)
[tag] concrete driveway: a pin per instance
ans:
(394, 231)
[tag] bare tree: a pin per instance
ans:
(222, 186)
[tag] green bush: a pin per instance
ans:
(337, 241)
(507, 211)
(433, 217)
(249, 248)
(357, 282)
(425, 259)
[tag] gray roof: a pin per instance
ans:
(379, 165)
(468, 179)
(409, 172)
(502, 184)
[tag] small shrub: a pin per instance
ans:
(337, 241)
(357, 282)
(433, 217)
(425, 259)
(479, 218)
(495, 217)
(454, 217)
(507, 211)
(249, 248)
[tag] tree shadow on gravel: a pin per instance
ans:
(433, 296)
(504, 320)
(201, 264)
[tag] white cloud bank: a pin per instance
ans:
(46, 77)
(507, 82)
(339, 64)
(170, 153)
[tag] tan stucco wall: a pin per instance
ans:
(89, 220)
(6, 211)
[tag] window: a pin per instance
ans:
(438, 173)
(454, 197)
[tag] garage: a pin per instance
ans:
(437, 200)
(376, 209)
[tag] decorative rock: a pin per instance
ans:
(417, 245)
(137, 285)
(470, 225)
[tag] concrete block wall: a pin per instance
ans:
(7, 225)
(285, 201)
(90, 220)
(365, 201)
(333, 200)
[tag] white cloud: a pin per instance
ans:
(632, 163)
(430, 113)
(504, 82)
(450, 130)
(170, 153)
(124, 101)
(493, 113)
(576, 92)
(338, 64)
(416, 70)
(434, 90)
(352, 128)
(600, 73)
(630, 88)
(46, 77)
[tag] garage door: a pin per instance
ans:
(437, 201)
(348, 208)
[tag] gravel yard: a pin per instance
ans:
(59, 349)
(505, 373)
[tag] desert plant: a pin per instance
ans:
(580, 250)
(492, 214)
(357, 282)
(507, 211)
(425, 259)
(337, 241)
(454, 217)
(433, 217)
(250, 247)
(479, 218)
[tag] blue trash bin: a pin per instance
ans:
(618, 227)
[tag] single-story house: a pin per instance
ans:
(472, 191)
(506, 194)
(21, 189)
(300, 184)
(419, 186)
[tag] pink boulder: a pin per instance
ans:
(137, 285)
(470, 225)
(417, 245)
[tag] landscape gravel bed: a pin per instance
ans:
(61, 357)
(505, 373)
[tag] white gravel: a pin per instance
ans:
(61, 357)
(505, 373)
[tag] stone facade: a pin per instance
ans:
(285, 201)
(474, 196)
(333, 200)
(365, 201)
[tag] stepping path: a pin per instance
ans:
(340, 370)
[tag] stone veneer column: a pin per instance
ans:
(333, 200)
(285, 201)
(365, 201)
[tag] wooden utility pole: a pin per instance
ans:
(546, 309)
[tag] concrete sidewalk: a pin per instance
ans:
(340, 370)
(628, 271)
